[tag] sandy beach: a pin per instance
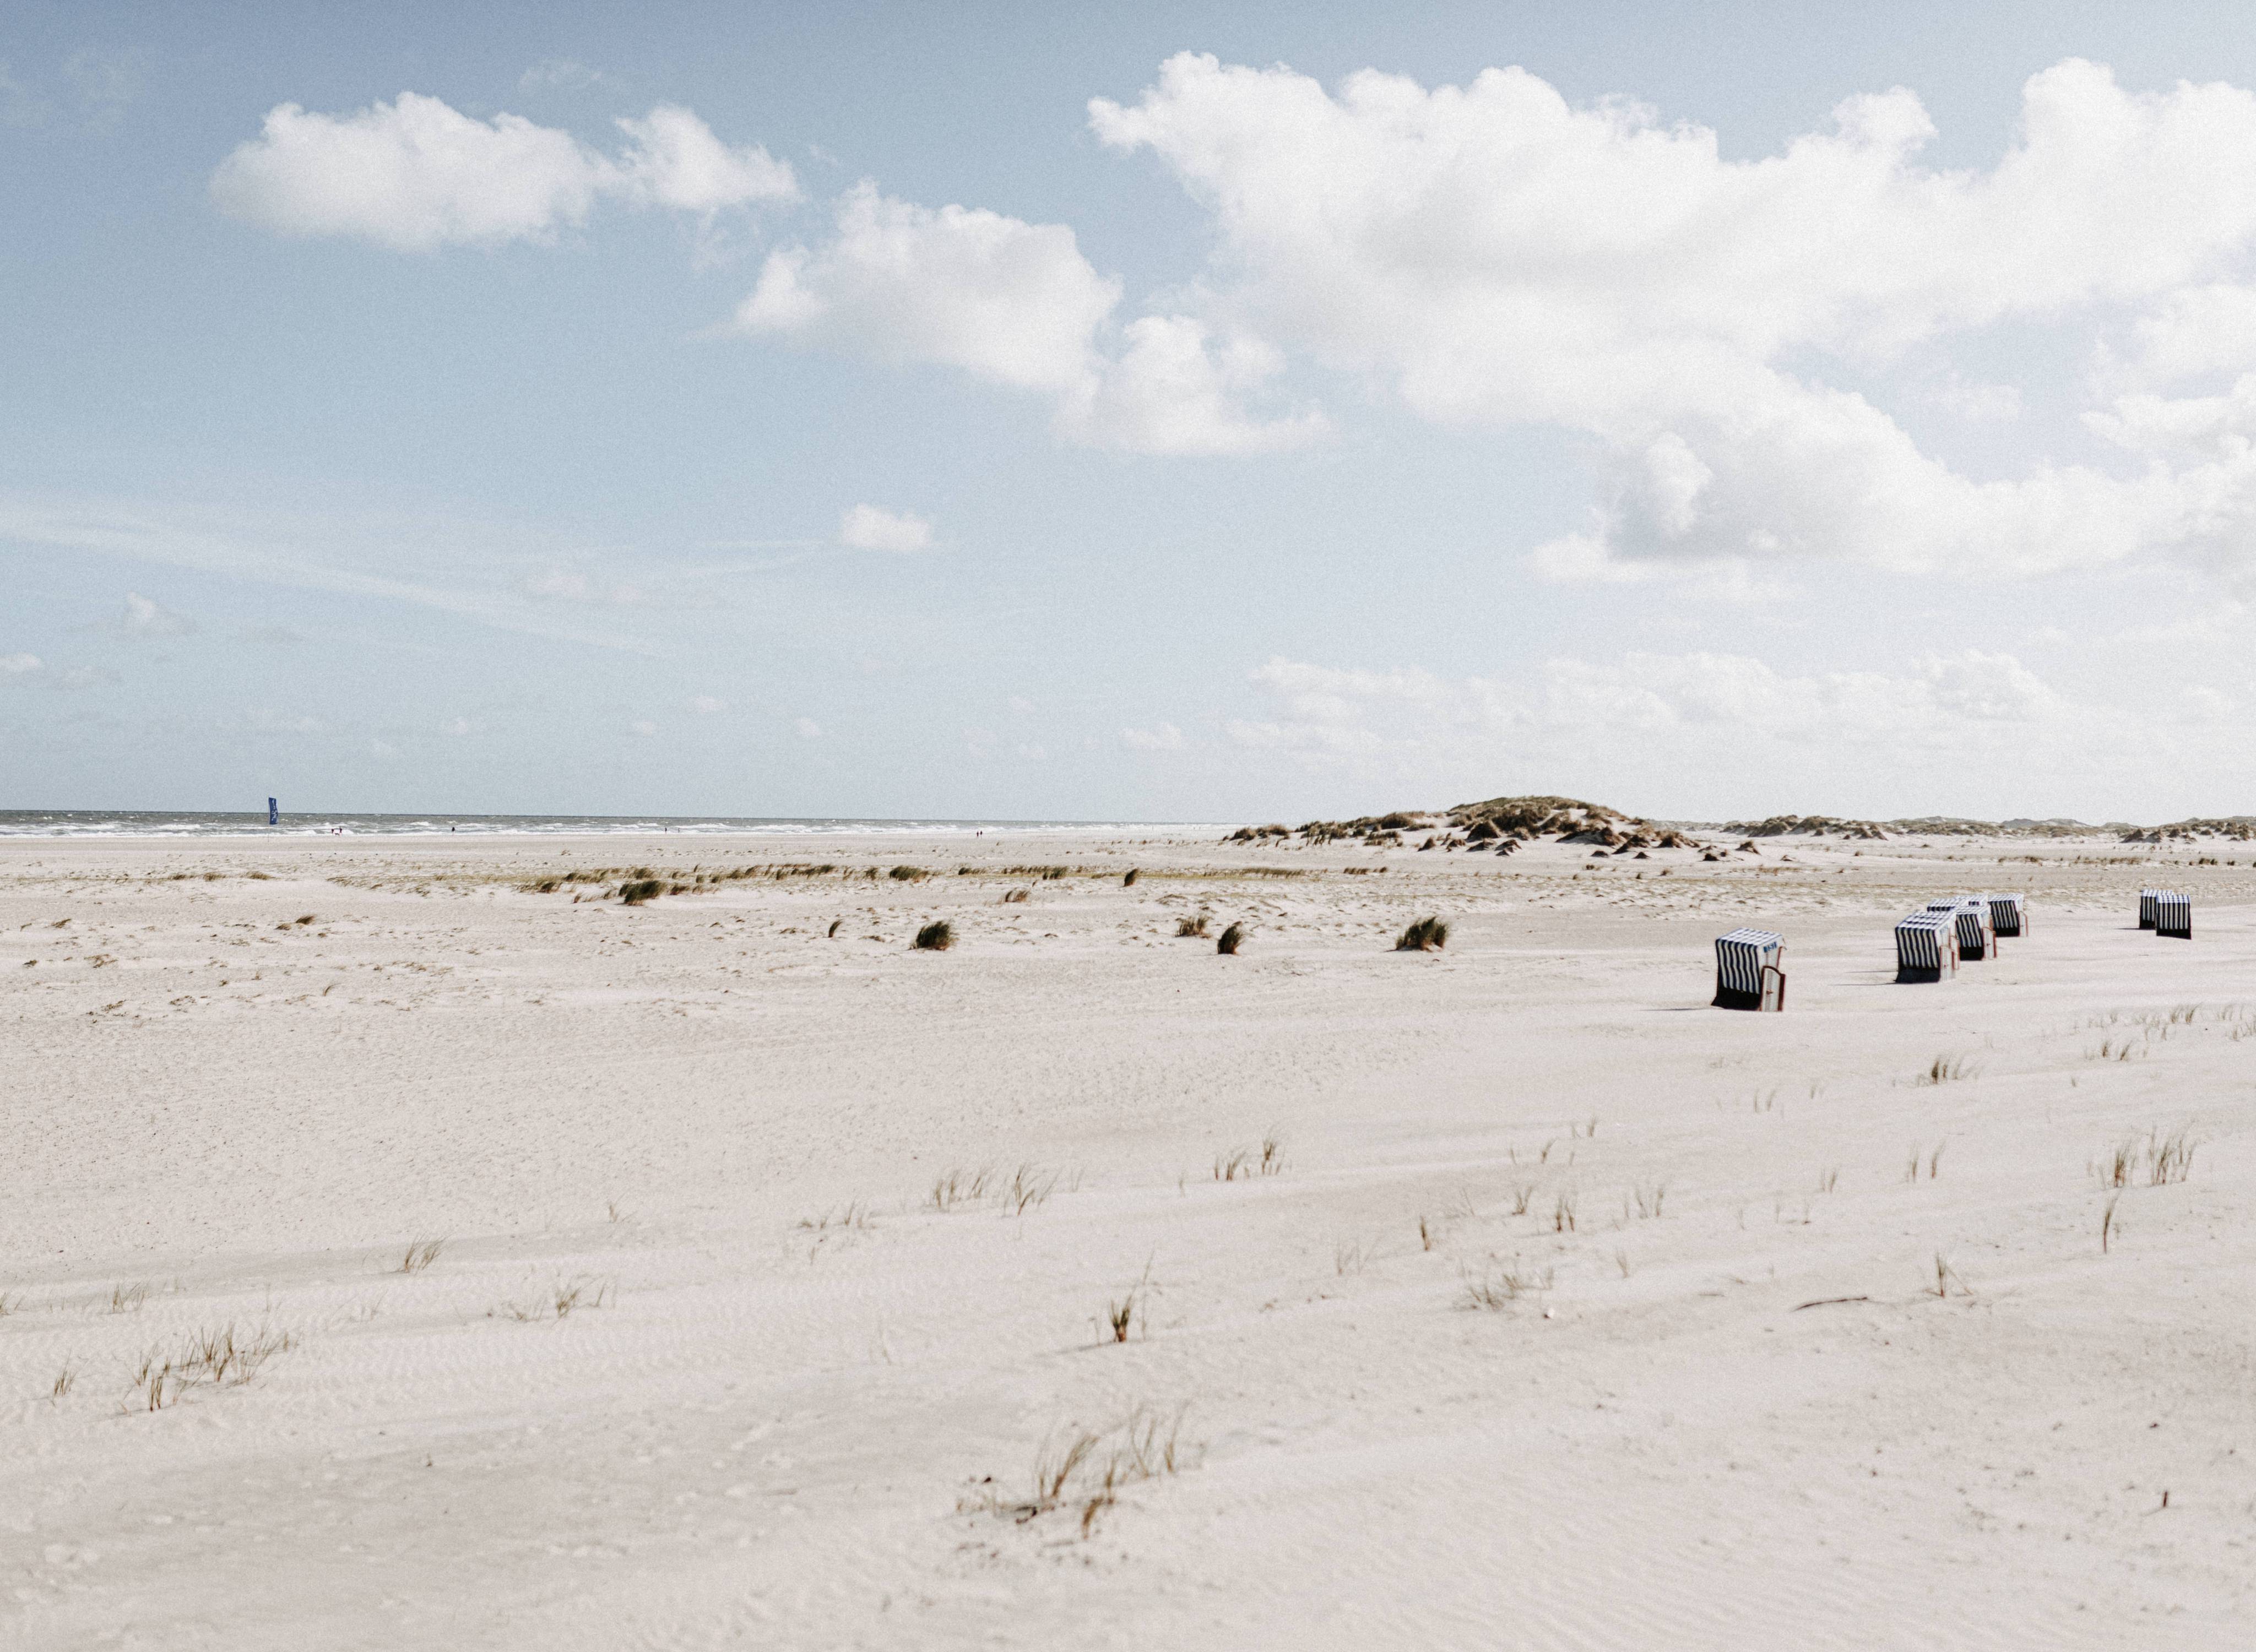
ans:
(396, 1255)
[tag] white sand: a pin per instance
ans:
(772, 1434)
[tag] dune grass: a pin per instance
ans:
(1427, 935)
(421, 1254)
(2157, 1159)
(559, 1299)
(1494, 1292)
(936, 937)
(1243, 1163)
(219, 1358)
(1232, 939)
(1191, 928)
(1084, 1470)
(959, 1187)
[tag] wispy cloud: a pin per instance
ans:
(268, 553)
(145, 616)
(559, 75)
(875, 528)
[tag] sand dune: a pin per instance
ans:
(1509, 1342)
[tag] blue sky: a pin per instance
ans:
(1128, 411)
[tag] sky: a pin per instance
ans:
(1148, 413)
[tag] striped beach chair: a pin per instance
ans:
(2174, 914)
(1926, 947)
(2146, 899)
(1749, 973)
(2007, 921)
(1977, 940)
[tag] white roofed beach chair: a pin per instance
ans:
(1750, 971)
(1926, 947)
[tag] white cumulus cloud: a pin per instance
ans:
(676, 161)
(416, 174)
(1011, 302)
(1491, 255)
(1017, 305)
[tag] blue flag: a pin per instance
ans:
(273, 818)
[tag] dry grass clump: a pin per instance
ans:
(1242, 1165)
(1946, 1069)
(1026, 1188)
(1427, 935)
(960, 1187)
(1015, 897)
(1120, 1315)
(1647, 1200)
(213, 1359)
(421, 1254)
(1231, 939)
(1129, 881)
(642, 890)
(127, 1298)
(936, 937)
(1494, 1292)
(66, 1380)
(854, 1213)
(908, 874)
(1029, 1188)
(1191, 928)
(1086, 1469)
(559, 1300)
(1353, 1255)
(2159, 1160)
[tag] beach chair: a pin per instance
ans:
(2007, 921)
(1926, 947)
(2174, 915)
(1750, 971)
(1977, 940)
(2146, 899)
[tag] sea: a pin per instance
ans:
(161, 823)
